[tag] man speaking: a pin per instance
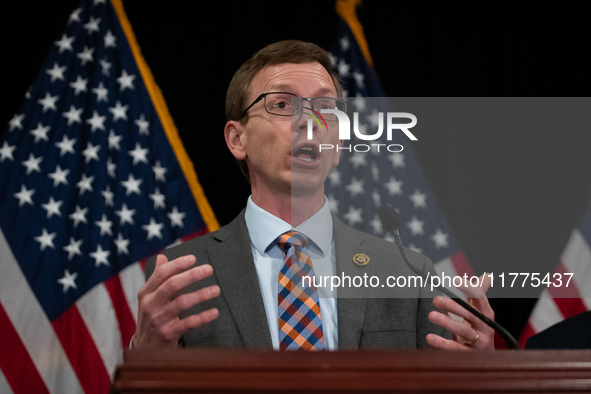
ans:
(241, 286)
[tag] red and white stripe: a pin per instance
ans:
(132, 279)
(4, 386)
(36, 346)
(559, 303)
(77, 353)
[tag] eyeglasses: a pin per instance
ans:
(289, 104)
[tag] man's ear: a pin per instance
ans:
(337, 157)
(234, 134)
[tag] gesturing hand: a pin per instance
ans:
(159, 302)
(471, 333)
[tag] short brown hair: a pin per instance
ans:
(288, 51)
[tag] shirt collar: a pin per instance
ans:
(264, 228)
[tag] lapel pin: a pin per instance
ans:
(361, 259)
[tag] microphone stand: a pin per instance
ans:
(391, 222)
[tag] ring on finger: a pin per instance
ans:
(474, 340)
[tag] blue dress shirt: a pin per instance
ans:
(264, 228)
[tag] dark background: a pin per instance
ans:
(510, 197)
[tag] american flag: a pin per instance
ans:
(94, 180)
(558, 303)
(363, 182)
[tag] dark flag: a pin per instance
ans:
(364, 181)
(94, 180)
(558, 303)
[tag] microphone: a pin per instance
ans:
(391, 222)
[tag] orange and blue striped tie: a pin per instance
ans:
(300, 325)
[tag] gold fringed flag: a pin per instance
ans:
(94, 180)
(363, 182)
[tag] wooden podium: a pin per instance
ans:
(364, 371)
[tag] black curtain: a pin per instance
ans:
(509, 196)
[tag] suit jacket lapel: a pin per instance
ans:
(234, 268)
(350, 311)
(236, 274)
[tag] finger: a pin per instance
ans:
(462, 329)
(485, 280)
(483, 307)
(165, 269)
(485, 332)
(450, 305)
(168, 310)
(174, 284)
(446, 344)
(477, 295)
(155, 302)
(153, 282)
(481, 303)
(160, 260)
(174, 329)
(186, 301)
(162, 322)
(478, 291)
(194, 321)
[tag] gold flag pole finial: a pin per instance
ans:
(346, 9)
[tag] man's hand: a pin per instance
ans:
(472, 333)
(159, 302)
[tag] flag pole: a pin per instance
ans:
(346, 9)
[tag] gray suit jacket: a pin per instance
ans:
(362, 322)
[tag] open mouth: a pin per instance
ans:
(306, 153)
